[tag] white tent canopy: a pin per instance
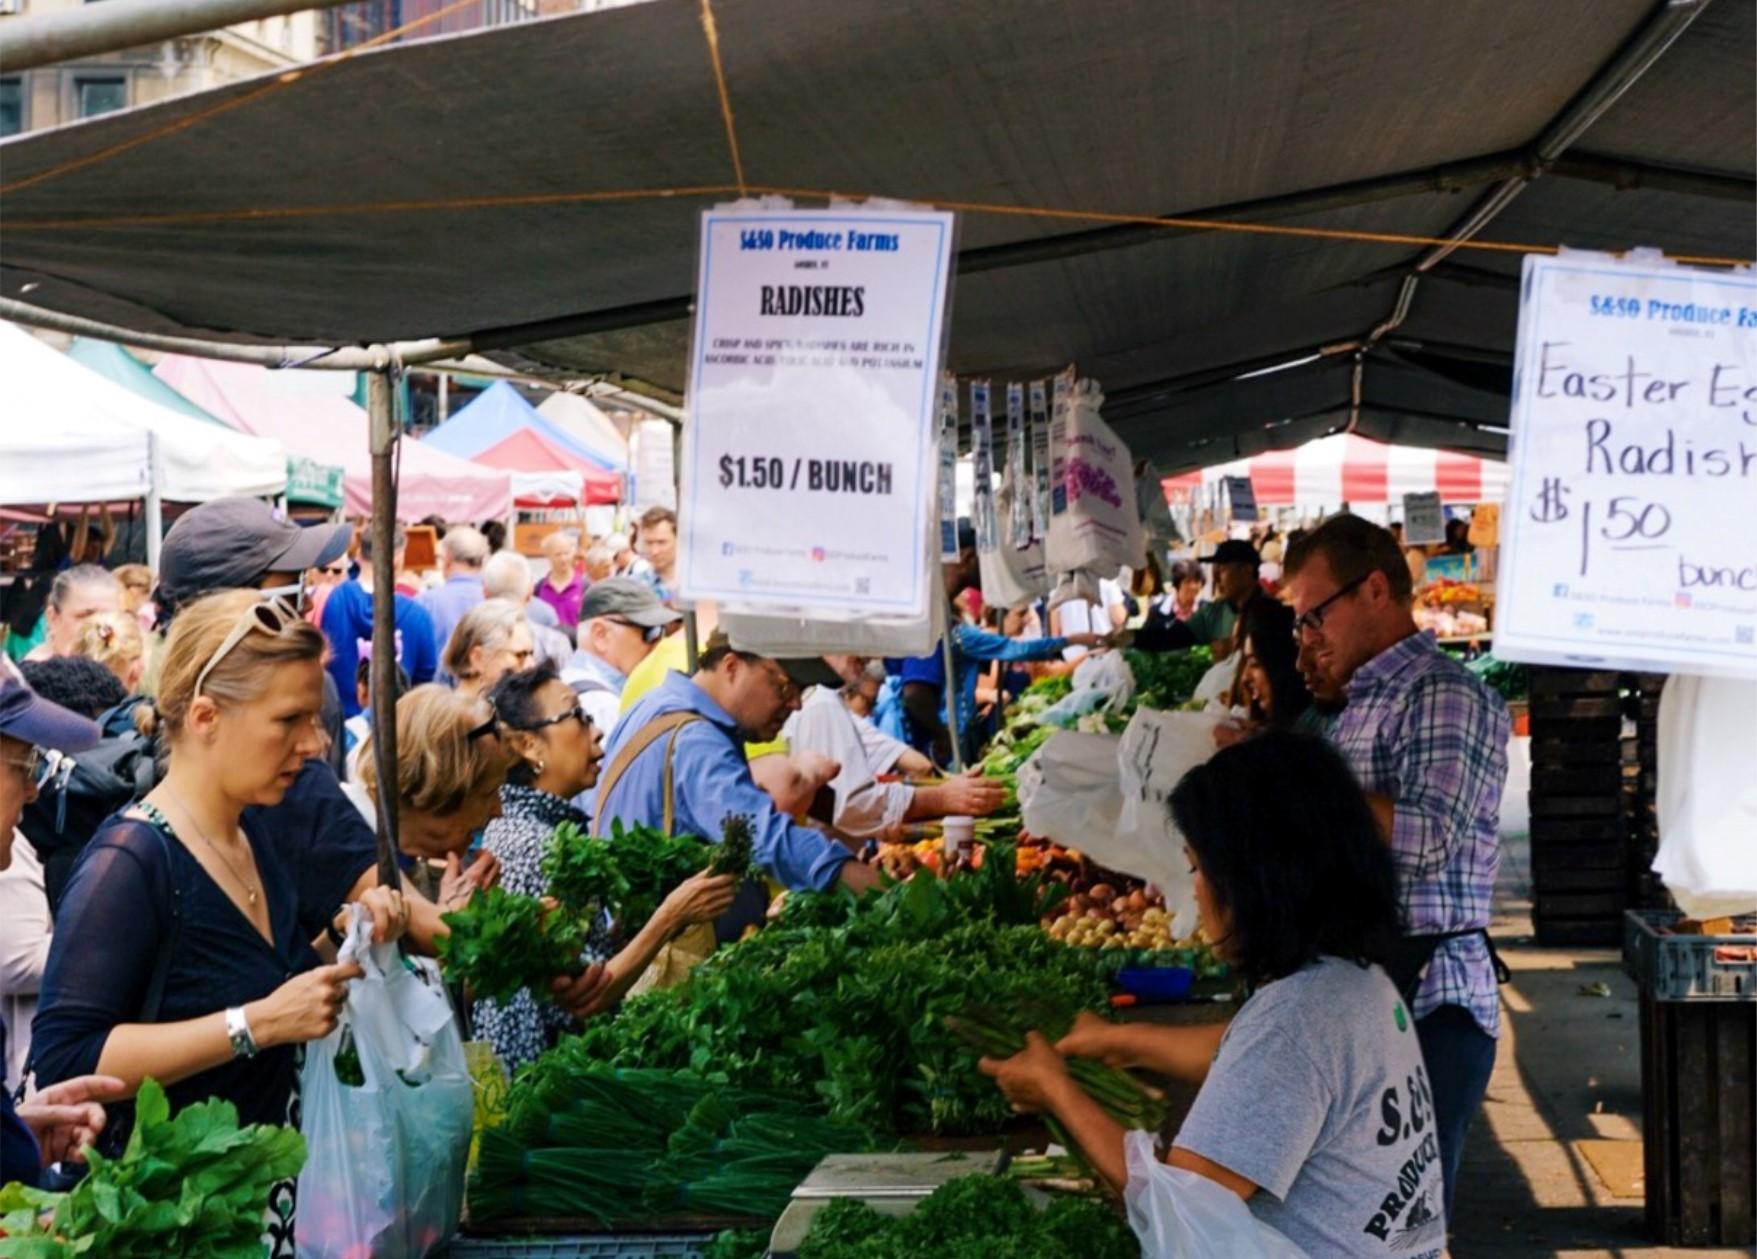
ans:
(582, 420)
(71, 435)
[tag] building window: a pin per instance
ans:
(11, 106)
(100, 96)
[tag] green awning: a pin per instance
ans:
(308, 482)
(314, 483)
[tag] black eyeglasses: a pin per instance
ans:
(576, 713)
(1313, 619)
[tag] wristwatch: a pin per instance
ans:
(238, 1032)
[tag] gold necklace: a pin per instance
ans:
(249, 888)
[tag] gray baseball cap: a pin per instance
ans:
(236, 542)
(629, 599)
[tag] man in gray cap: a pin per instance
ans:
(621, 621)
(241, 542)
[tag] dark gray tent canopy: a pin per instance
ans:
(1635, 123)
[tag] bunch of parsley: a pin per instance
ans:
(501, 942)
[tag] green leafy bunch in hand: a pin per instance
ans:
(501, 942)
(195, 1186)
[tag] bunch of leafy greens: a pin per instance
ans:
(501, 942)
(844, 999)
(1508, 680)
(195, 1186)
(736, 853)
(973, 1217)
(625, 876)
(1167, 679)
(581, 1139)
(1009, 751)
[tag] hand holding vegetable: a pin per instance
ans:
(968, 795)
(700, 898)
(1032, 1077)
(305, 1008)
(577, 993)
(1096, 1038)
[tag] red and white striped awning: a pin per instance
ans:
(1348, 468)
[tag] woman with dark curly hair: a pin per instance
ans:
(1314, 1106)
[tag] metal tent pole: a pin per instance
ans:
(383, 434)
(952, 698)
(155, 502)
(40, 39)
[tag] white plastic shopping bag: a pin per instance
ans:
(1180, 1214)
(1707, 799)
(1068, 789)
(385, 1176)
(1107, 672)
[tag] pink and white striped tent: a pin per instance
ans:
(1348, 468)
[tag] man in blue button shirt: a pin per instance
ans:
(676, 761)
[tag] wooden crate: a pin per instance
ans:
(1588, 809)
(1699, 1121)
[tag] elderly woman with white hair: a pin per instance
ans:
(492, 640)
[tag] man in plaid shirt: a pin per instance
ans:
(1428, 742)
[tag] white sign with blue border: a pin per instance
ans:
(809, 471)
(1626, 538)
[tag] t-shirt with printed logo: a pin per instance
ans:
(1320, 1097)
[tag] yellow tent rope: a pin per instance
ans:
(712, 32)
(724, 190)
(182, 124)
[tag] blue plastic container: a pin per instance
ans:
(1156, 983)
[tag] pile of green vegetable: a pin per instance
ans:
(502, 941)
(974, 1217)
(845, 1000)
(1167, 679)
(195, 1186)
(1508, 680)
(582, 1139)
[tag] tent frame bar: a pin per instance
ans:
(41, 39)
(1665, 23)
(328, 358)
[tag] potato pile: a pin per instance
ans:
(1101, 918)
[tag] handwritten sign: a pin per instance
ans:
(1423, 519)
(809, 470)
(1627, 530)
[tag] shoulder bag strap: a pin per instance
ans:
(638, 742)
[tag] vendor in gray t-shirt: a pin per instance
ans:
(1314, 1105)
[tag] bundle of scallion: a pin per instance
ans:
(1001, 1034)
(584, 1139)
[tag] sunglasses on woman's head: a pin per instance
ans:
(271, 617)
